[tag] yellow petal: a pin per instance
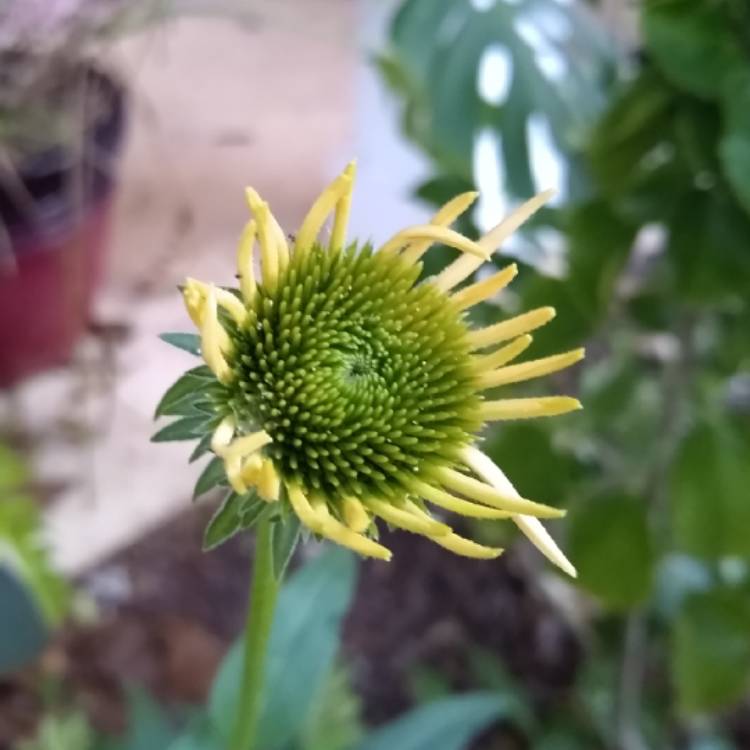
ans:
(355, 515)
(536, 368)
(275, 233)
(466, 548)
(245, 269)
(455, 504)
(528, 408)
(489, 495)
(246, 444)
(233, 469)
(485, 289)
(268, 482)
(303, 509)
(404, 519)
(318, 214)
(223, 435)
(211, 331)
(343, 207)
(433, 234)
(463, 267)
(337, 532)
(508, 329)
(443, 218)
(503, 355)
(485, 467)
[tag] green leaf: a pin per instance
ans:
(213, 475)
(224, 523)
(188, 342)
(304, 640)
(186, 428)
(609, 543)
(735, 158)
(194, 382)
(23, 633)
(711, 651)
(333, 722)
(203, 446)
(447, 724)
(694, 43)
(286, 535)
(710, 480)
(148, 725)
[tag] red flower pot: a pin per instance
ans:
(58, 240)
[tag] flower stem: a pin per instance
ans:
(263, 590)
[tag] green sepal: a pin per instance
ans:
(237, 513)
(188, 342)
(192, 383)
(286, 536)
(213, 475)
(203, 446)
(186, 428)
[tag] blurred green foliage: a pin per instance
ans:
(655, 146)
(33, 597)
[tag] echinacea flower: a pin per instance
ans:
(349, 393)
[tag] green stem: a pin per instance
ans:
(263, 591)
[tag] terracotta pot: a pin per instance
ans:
(58, 235)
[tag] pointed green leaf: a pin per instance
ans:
(186, 428)
(447, 724)
(195, 381)
(212, 476)
(225, 523)
(188, 342)
(203, 447)
(286, 536)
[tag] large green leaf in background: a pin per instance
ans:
(437, 46)
(710, 492)
(447, 724)
(303, 645)
(609, 543)
(711, 650)
(695, 43)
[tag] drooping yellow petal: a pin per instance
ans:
(486, 288)
(343, 207)
(434, 234)
(503, 355)
(445, 216)
(245, 270)
(318, 214)
(194, 296)
(251, 467)
(455, 504)
(304, 510)
(508, 329)
(233, 469)
(337, 532)
(536, 368)
(489, 495)
(466, 548)
(404, 519)
(223, 435)
(528, 408)
(355, 515)
(486, 468)
(268, 482)
(463, 267)
(246, 444)
(211, 332)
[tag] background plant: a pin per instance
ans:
(655, 226)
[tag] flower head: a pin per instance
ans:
(349, 392)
